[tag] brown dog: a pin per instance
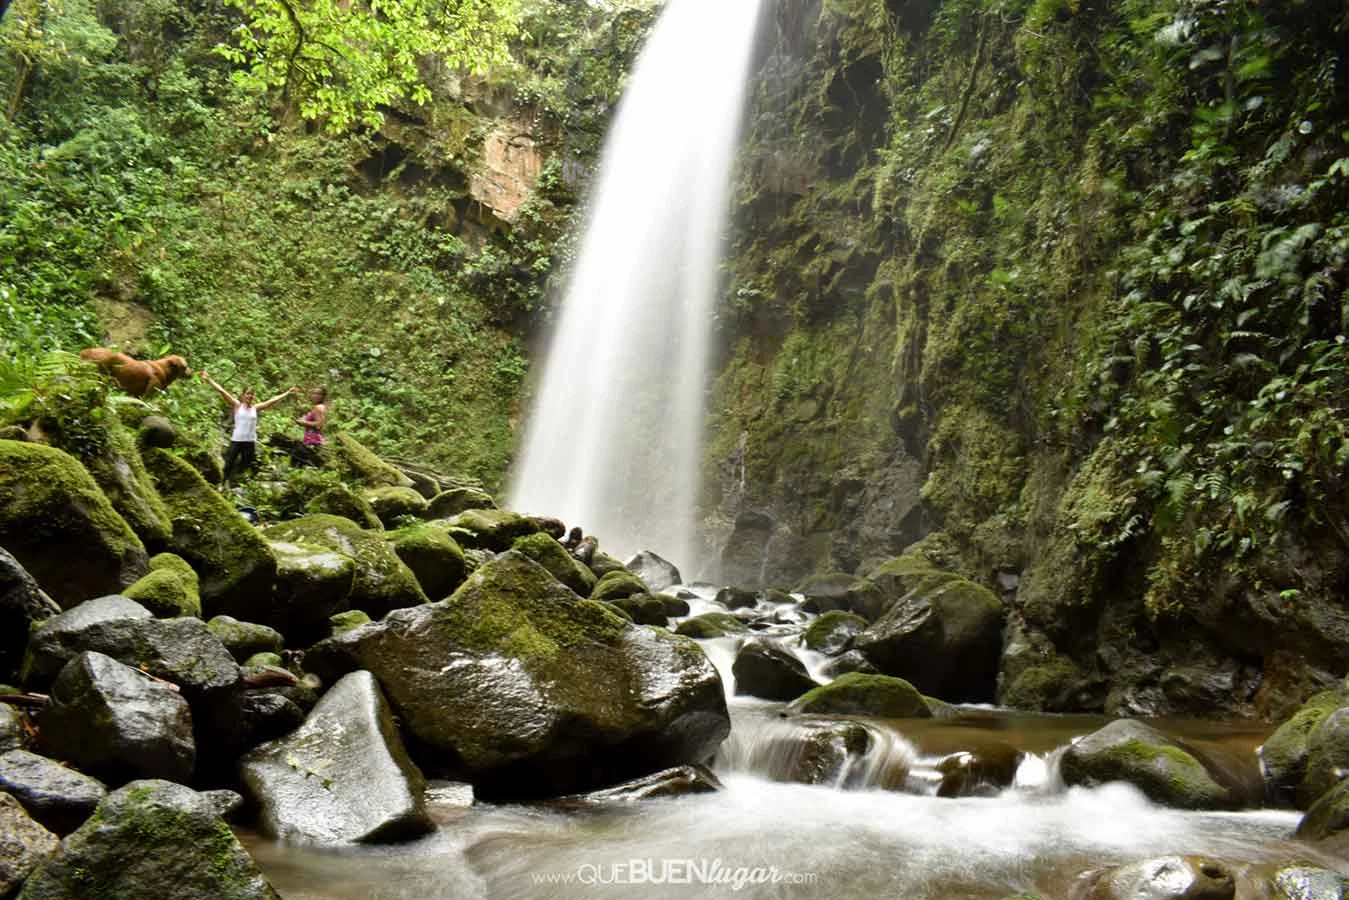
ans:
(137, 377)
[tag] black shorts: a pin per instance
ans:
(243, 454)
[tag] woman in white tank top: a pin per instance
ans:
(242, 451)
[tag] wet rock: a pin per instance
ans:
(850, 661)
(768, 671)
(117, 723)
(169, 590)
(603, 564)
(734, 598)
(266, 716)
(391, 503)
(11, 728)
(831, 633)
(1302, 881)
(59, 798)
(456, 500)
(151, 839)
(675, 607)
(810, 752)
(1327, 757)
(348, 620)
(742, 557)
(22, 605)
(244, 639)
(225, 803)
(362, 465)
(550, 526)
(711, 625)
(986, 770)
(617, 585)
(52, 513)
(491, 529)
(312, 584)
(1032, 674)
(157, 431)
(343, 776)
(843, 592)
(1283, 757)
(532, 691)
(23, 844)
(1163, 878)
(855, 694)
(548, 553)
(1329, 815)
(1127, 750)
(659, 574)
(644, 609)
(943, 635)
(265, 659)
(381, 582)
(341, 500)
(234, 565)
(681, 781)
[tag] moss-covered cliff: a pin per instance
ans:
(1063, 280)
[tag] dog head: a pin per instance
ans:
(175, 367)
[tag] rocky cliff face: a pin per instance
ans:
(1057, 286)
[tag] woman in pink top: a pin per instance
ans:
(313, 422)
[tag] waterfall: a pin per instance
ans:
(614, 438)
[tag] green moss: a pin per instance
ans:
(167, 593)
(345, 621)
(433, 556)
(617, 585)
(820, 630)
(359, 463)
(390, 503)
(548, 553)
(343, 501)
(711, 625)
(863, 695)
(490, 529)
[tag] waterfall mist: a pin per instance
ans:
(614, 439)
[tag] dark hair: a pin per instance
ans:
(322, 392)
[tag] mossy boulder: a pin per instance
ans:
(382, 581)
(456, 500)
(855, 694)
(1327, 757)
(491, 529)
(1163, 769)
(1328, 816)
(312, 583)
(943, 634)
(738, 598)
(644, 609)
(235, 566)
(1160, 878)
(848, 661)
(675, 607)
(171, 588)
(121, 474)
(1283, 757)
(591, 700)
(150, 839)
(265, 659)
(617, 585)
(22, 606)
(548, 553)
(844, 592)
(711, 625)
(341, 500)
(830, 633)
(603, 564)
(433, 556)
(656, 571)
(391, 503)
(244, 639)
(360, 464)
(61, 528)
(345, 621)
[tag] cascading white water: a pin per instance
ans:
(614, 438)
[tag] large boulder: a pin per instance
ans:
(171, 588)
(358, 463)
(644, 609)
(491, 529)
(391, 503)
(341, 500)
(742, 556)
(658, 573)
(244, 639)
(1327, 757)
(456, 500)
(117, 468)
(343, 776)
(943, 634)
(765, 670)
(1328, 816)
(843, 592)
(433, 556)
(23, 844)
(531, 691)
(118, 723)
(60, 798)
(61, 528)
(711, 625)
(981, 771)
(832, 632)
(235, 566)
(855, 694)
(22, 606)
(1162, 878)
(382, 581)
(312, 584)
(1163, 769)
(151, 840)
(1283, 757)
(617, 585)
(548, 553)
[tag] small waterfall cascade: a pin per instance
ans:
(613, 442)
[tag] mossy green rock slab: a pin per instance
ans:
(433, 556)
(533, 691)
(235, 566)
(617, 585)
(548, 553)
(244, 639)
(856, 694)
(1283, 757)
(831, 632)
(1127, 750)
(711, 625)
(341, 777)
(491, 529)
(171, 589)
(1327, 757)
(361, 464)
(1329, 815)
(390, 503)
(456, 500)
(341, 500)
(312, 584)
(60, 527)
(844, 592)
(151, 840)
(382, 581)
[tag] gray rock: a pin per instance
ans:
(742, 556)
(681, 781)
(343, 776)
(60, 798)
(244, 639)
(151, 839)
(1127, 750)
(312, 584)
(22, 605)
(11, 728)
(659, 574)
(766, 670)
(851, 661)
(1327, 757)
(267, 716)
(981, 771)
(1163, 878)
(118, 723)
(831, 633)
(734, 598)
(225, 803)
(23, 844)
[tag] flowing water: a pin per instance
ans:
(613, 439)
(870, 825)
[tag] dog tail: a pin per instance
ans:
(96, 354)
